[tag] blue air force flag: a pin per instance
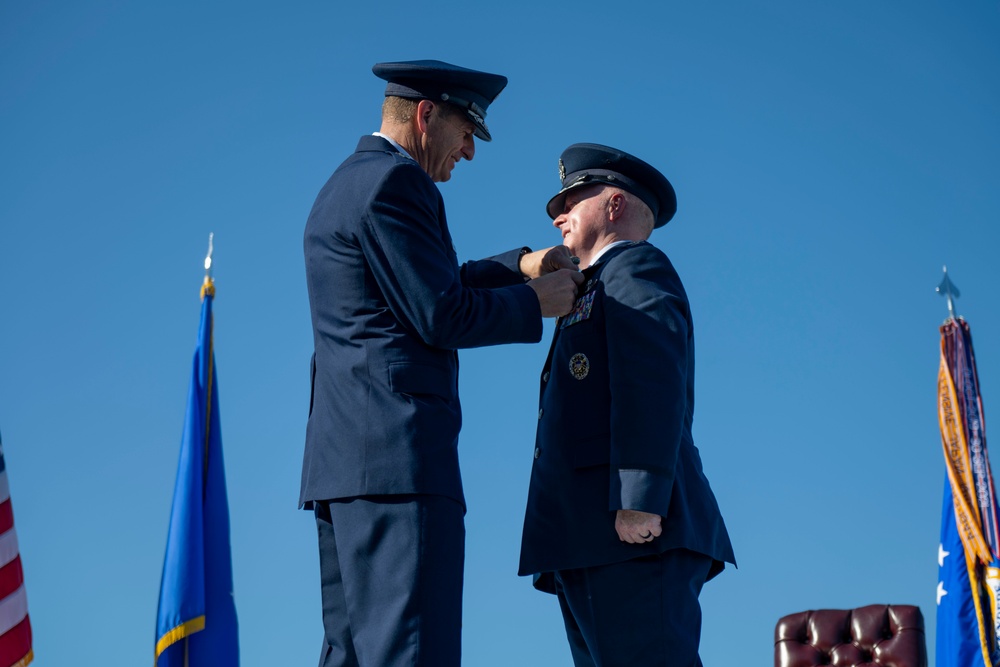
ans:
(196, 619)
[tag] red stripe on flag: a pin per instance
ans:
(15, 644)
(11, 577)
(6, 516)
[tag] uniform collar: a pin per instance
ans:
(603, 251)
(395, 144)
(608, 248)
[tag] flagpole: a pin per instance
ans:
(208, 289)
(196, 585)
(968, 589)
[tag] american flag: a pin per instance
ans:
(15, 629)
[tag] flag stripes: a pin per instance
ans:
(15, 627)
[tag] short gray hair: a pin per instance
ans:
(399, 110)
(641, 215)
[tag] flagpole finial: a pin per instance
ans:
(208, 287)
(949, 291)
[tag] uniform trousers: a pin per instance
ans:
(391, 570)
(638, 613)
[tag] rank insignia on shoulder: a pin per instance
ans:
(579, 366)
(581, 311)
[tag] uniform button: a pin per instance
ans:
(538, 452)
(545, 377)
(540, 411)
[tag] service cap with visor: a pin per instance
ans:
(589, 164)
(470, 90)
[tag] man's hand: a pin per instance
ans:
(547, 260)
(556, 291)
(636, 527)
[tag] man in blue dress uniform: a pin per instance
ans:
(390, 306)
(621, 523)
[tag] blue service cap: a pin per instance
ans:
(434, 80)
(589, 164)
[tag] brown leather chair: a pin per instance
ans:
(879, 634)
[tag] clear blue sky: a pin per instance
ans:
(828, 157)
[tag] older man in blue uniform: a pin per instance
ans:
(621, 523)
(390, 306)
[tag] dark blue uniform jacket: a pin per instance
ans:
(614, 424)
(390, 305)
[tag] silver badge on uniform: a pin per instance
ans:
(579, 366)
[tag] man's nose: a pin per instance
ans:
(469, 148)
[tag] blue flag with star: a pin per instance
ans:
(958, 638)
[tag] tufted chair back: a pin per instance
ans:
(874, 636)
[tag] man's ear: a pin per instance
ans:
(425, 109)
(616, 206)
